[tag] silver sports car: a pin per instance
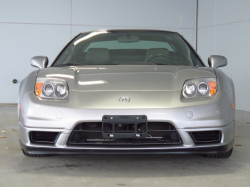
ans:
(127, 92)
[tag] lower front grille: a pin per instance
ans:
(201, 137)
(159, 133)
(42, 137)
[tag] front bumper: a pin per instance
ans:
(61, 117)
(188, 146)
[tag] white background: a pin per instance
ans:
(224, 29)
(43, 27)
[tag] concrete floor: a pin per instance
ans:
(121, 170)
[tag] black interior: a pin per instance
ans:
(127, 56)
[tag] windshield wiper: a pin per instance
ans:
(68, 64)
(149, 63)
(99, 64)
(138, 63)
(169, 64)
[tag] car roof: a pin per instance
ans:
(130, 30)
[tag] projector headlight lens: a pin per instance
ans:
(190, 89)
(203, 88)
(48, 89)
(60, 90)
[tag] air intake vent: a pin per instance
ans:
(90, 133)
(201, 137)
(43, 137)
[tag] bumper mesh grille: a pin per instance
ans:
(159, 133)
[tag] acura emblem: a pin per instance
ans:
(124, 99)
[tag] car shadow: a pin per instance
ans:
(132, 166)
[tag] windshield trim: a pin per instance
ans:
(52, 65)
(197, 55)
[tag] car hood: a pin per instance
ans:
(126, 77)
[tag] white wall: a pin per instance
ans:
(43, 27)
(224, 29)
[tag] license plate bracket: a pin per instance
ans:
(124, 126)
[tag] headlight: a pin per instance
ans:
(51, 88)
(202, 87)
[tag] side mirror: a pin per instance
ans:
(216, 61)
(39, 61)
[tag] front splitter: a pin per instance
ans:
(128, 150)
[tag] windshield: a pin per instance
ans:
(128, 48)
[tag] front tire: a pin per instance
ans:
(33, 155)
(223, 155)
